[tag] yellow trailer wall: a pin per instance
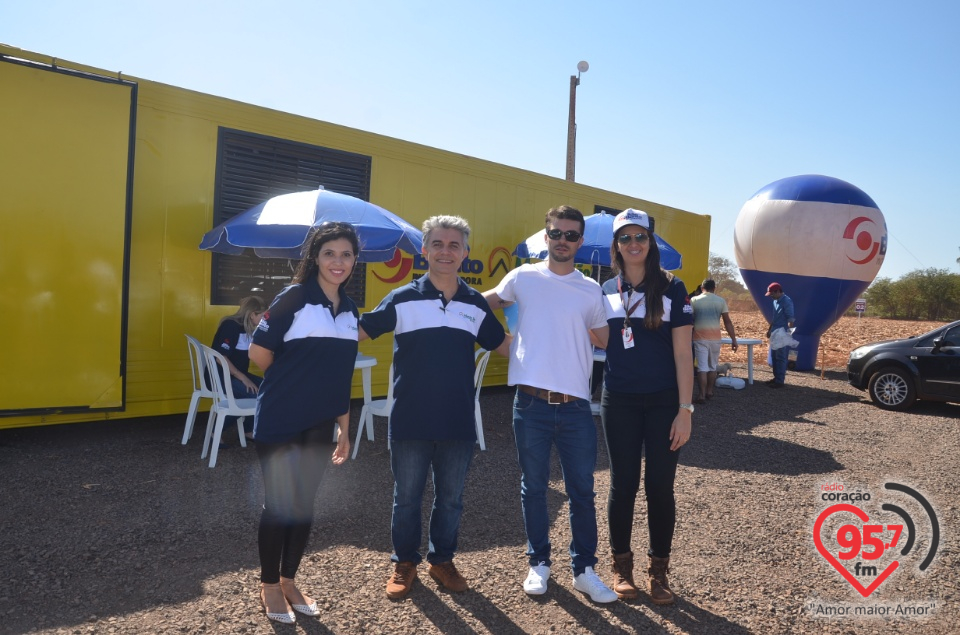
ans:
(64, 173)
(173, 196)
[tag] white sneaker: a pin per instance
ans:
(590, 583)
(536, 582)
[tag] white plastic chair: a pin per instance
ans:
(224, 405)
(482, 357)
(201, 385)
(378, 407)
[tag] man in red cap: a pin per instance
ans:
(782, 319)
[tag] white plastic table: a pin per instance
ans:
(600, 355)
(749, 343)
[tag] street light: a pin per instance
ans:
(582, 67)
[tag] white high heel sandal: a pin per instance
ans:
(286, 617)
(309, 610)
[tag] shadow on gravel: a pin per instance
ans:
(684, 615)
(115, 517)
(723, 438)
(448, 621)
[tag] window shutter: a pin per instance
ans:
(252, 168)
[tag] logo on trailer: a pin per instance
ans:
(400, 266)
(499, 259)
(403, 267)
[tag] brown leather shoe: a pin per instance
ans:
(658, 586)
(446, 575)
(400, 583)
(623, 584)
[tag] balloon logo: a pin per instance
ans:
(864, 240)
(822, 239)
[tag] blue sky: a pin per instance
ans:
(696, 105)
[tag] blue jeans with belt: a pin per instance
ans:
(537, 426)
(411, 462)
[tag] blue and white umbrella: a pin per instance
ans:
(278, 227)
(595, 250)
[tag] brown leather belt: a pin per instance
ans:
(551, 397)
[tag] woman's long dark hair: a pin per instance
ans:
(321, 235)
(655, 279)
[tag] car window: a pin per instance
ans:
(926, 341)
(951, 337)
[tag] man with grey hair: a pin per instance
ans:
(436, 321)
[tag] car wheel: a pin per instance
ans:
(892, 389)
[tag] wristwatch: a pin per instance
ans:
(687, 406)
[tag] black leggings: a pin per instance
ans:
(292, 472)
(634, 425)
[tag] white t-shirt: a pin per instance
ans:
(551, 348)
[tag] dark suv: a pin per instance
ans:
(898, 372)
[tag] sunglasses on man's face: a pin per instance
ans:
(640, 237)
(570, 235)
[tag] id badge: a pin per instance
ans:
(627, 337)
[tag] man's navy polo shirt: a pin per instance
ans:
(433, 357)
(314, 354)
(649, 366)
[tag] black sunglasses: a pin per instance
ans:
(570, 235)
(640, 237)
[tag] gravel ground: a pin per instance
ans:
(114, 527)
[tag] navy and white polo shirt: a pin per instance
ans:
(433, 357)
(649, 366)
(314, 354)
(232, 342)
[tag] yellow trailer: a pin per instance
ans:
(109, 182)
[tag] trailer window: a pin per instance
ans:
(252, 168)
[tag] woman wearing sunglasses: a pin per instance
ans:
(645, 406)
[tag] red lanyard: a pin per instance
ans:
(629, 311)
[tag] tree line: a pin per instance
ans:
(923, 294)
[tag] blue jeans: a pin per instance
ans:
(240, 392)
(410, 462)
(537, 426)
(780, 356)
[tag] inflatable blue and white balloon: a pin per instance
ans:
(822, 239)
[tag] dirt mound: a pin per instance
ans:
(835, 345)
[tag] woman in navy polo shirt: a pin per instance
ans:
(306, 345)
(645, 406)
(232, 340)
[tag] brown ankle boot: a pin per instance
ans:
(659, 587)
(623, 584)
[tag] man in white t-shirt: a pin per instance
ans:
(551, 359)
